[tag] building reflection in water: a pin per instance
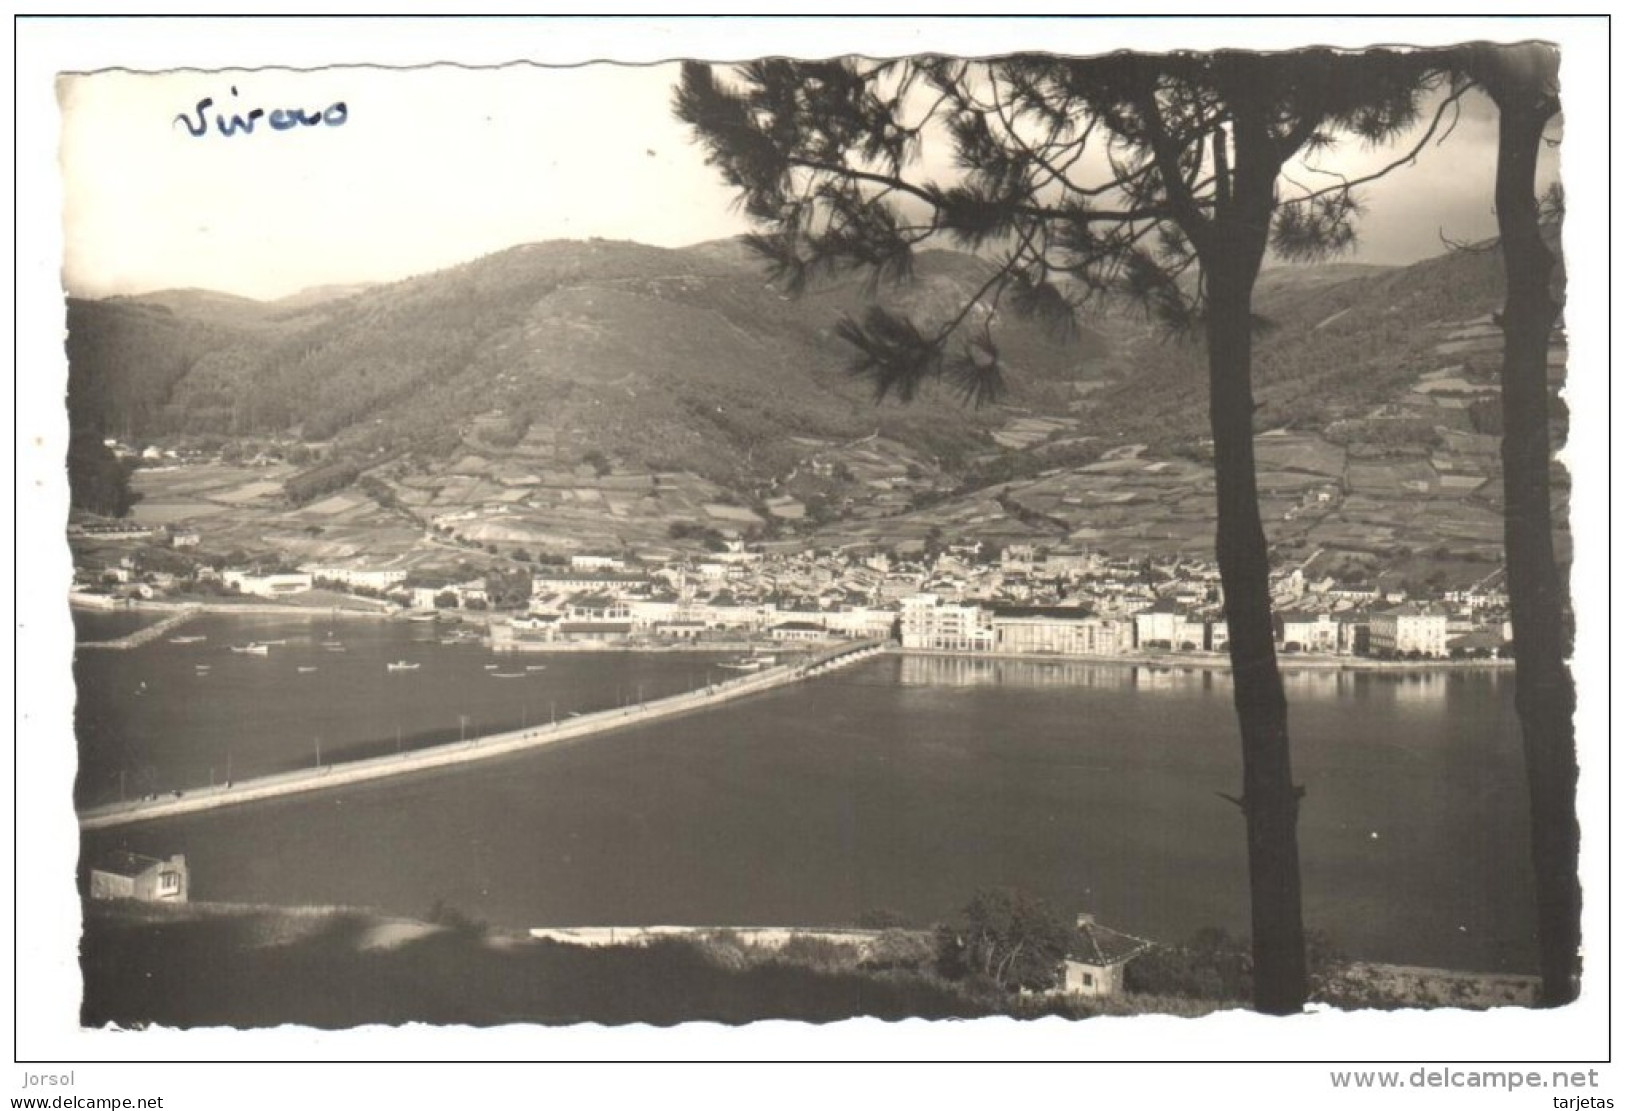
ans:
(985, 671)
(1421, 690)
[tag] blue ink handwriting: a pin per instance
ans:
(279, 119)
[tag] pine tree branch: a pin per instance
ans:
(1180, 200)
(1345, 183)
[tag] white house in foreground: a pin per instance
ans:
(1096, 957)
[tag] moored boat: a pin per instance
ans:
(251, 649)
(403, 665)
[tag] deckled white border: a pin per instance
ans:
(48, 914)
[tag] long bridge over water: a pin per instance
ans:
(475, 748)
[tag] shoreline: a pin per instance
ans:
(111, 815)
(1193, 661)
(1217, 661)
(142, 605)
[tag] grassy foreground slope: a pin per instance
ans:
(205, 965)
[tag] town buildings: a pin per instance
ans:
(1021, 600)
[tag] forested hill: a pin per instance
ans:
(668, 359)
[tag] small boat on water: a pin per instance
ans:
(403, 665)
(200, 667)
(272, 642)
(304, 670)
(186, 640)
(424, 617)
(492, 667)
(251, 649)
(535, 667)
(744, 665)
(507, 674)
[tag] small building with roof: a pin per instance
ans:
(127, 875)
(1095, 959)
(799, 630)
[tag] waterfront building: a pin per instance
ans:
(528, 629)
(1056, 630)
(1409, 628)
(268, 586)
(860, 621)
(424, 597)
(595, 630)
(1353, 633)
(799, 630)
(1159, 625)
(650, 612)
(1191, 634)
(1310, 632)
(128, 875)
(929, 622)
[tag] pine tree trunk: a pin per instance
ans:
(1269, 797)
(1545, 690)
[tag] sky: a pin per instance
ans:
(435, 166)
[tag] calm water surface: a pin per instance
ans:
(96, 624)
(173, 716)
(903, 783)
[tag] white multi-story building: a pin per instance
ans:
(1159, 626)
(929, 622)
(860, 621)
(1409, 628)
(1311, 632)
(1058, 630)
